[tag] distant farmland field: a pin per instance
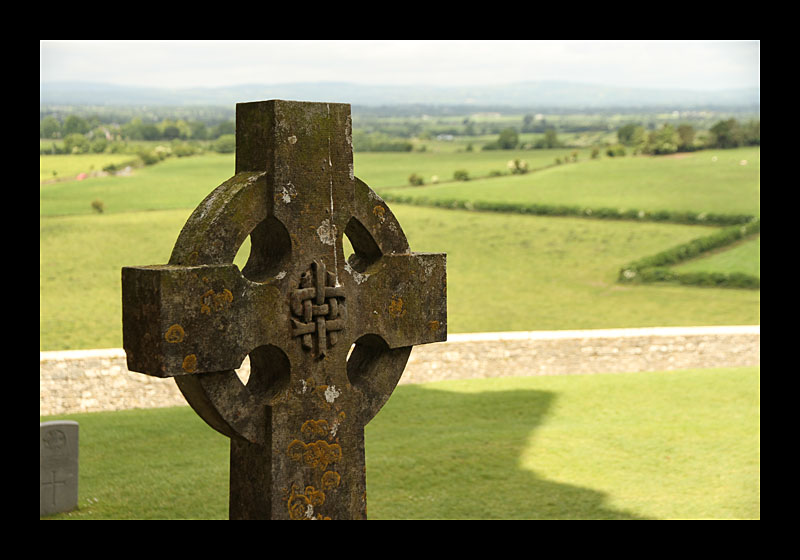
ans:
(526, 272)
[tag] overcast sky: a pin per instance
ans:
(699, 65)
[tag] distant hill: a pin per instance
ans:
(523, 95)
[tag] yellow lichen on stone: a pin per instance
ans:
(396, 307)
(301, 506)
(296, 449)
(174, 334)
(314, 428)
(318, 454)
(330, 480)
(215, 301)
(190, 363)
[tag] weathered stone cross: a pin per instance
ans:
(297, 306)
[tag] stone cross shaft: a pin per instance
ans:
(328, 337)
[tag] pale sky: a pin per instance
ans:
(697, 65)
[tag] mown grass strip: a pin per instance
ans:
(650, 445)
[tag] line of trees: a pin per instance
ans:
(91, 134)
(669, 139)
(666, 139)
(135, 129)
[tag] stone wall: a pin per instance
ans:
(95, 380)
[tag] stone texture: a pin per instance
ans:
(58, 466)
(96, 380)
(297, 426)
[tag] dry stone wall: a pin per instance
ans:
(98, 380)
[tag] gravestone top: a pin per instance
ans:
(58, 466)
(296, 308)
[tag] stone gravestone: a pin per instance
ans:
(296, 308)
(58, 467)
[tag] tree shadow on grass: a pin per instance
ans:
(434, 454)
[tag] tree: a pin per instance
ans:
(686, 136)
(550, 140)
(98, 145)
(171, 132)
(150, 132)
(198, 130)
(726, 134)
(508, 139)
(226, 127)
(75, 125)
(751, 133)
(469, 127)
(76, 144)
(639, 139)
(225, 144)
(49, 128)
(625, 134)
(665, 140)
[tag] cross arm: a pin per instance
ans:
(404, 300)
(180, 320)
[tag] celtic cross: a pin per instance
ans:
(328, 338)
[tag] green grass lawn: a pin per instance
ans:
(663, 445)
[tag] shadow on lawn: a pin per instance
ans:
(440, 461)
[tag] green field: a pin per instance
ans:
(656, 445)
(706, 181)
(744, 256)
(69, 166)
(505, 272)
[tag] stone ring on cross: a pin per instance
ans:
(328, 338)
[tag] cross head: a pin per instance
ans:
(328, 337)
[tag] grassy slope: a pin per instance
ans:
(744, 256)
(504, 273)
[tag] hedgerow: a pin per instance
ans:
(651, 268)
(670, 216)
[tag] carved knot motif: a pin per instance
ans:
(318, 304)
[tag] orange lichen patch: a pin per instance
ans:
(314, 428)
(301, 506)
(316, 497)
(215, 301)
(330, 480)
(379, 211)
(190, 363)
(396, 307)
(295, 450)
(433, 325)
(321, 391)
(318, 454)
(174, 334)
